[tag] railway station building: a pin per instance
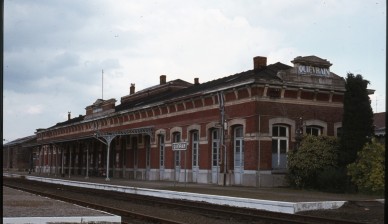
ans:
(235, 130)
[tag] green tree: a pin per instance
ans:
(357, 121)
(368, 171)
(315, 154)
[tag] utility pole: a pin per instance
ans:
(102, 83)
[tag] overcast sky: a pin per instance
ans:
(55, 50)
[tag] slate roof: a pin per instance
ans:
(266, 73)
(71, 121)
(20, 140)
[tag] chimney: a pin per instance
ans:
(162, 79)
(196, 81)
(68, 115)
(132, 89)
(259, 62)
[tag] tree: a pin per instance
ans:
(357, 122)
(368, 171)
(315, 154)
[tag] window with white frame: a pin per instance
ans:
(148, 151)
(280, 136)
(195, 147)
(177, 154)
(238, 147)
(314, 130)
(215, 146)
(161, 150)
(135, 152)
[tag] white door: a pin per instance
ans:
(215, 155)
(195, 154)
(238, 155)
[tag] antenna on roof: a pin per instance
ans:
(102, 81)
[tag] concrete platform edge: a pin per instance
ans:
(274, 206)
(65, 219)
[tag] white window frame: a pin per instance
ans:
(161, 151)
(195, 148)
(148, 151)
(215, 147)
(177, 153)
(279, 139)
(239, 142)
(311, 128)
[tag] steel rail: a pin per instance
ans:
(124, 213)
(225, 211)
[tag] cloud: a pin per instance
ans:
(55, 50)
(34, 109)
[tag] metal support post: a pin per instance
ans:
(87, 161)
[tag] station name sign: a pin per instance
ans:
(307, 69)
(179, 146)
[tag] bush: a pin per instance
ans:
(332, 179)
(315, 154)
(367, 173)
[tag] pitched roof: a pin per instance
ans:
(71, 121)
(21, 140)
(267, 73)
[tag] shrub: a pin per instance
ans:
(315, 154)
(367, 173)
(332, 179)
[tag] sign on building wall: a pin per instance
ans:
(179, 146)
(307, 69)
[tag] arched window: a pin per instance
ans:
(314, 130)
(161, 151)
(238, 147)
(177, 154)
(195, 148)
(215, 147)
(135, 152)
(280, 136)
(148, 151)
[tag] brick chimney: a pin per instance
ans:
(162, 79)
(68, 115)
(132, 89)
(259, 62)
(196, 81)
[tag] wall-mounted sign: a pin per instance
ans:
(307, 69)
(179, 146)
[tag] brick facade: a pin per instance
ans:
(268, 104)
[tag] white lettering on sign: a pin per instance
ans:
(306, 69)
(179, 146)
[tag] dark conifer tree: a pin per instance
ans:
(357, 121)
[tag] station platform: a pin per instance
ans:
(23, 207)
(284, 200)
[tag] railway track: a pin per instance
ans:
(239, 215)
